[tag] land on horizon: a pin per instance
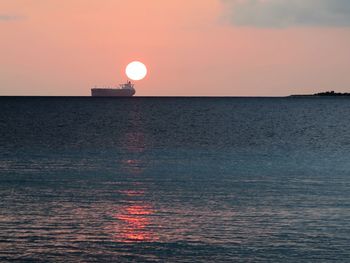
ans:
(324, 94)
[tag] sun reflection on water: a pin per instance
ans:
(133, 219)
(133, 224)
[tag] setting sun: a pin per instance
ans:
(136, 70)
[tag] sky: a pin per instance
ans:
(190, 47)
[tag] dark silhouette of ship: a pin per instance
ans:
(123, 90)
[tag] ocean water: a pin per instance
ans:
(174, 180)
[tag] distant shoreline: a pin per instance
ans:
(324, 94)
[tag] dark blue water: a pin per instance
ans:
(175, 180)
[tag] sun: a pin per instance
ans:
(136, 70)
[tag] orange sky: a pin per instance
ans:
(64, 47)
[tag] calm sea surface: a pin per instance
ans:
(175, 180)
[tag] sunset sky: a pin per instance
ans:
(191, 47)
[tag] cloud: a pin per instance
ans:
(285, 13)
(4, 18)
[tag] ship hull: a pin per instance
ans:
(112, 92)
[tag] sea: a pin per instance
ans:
(174, 179)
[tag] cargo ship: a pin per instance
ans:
(123, 90)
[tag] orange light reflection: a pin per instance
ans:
(132, 224)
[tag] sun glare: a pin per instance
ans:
(136, 70)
